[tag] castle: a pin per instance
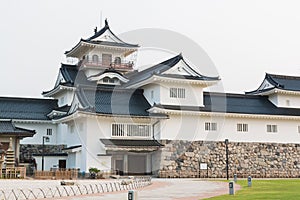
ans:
(107, 113)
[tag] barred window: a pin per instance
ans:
(131, 130)
(271, 128)
(177, 93)
(242, 127)
(210, 126)
(49, 131)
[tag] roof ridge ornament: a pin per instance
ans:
(106, 22)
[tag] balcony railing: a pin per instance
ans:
(116, 65)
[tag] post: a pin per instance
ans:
(231, 188)
(226, 146)
(43, 150)
(132, 195)
(235, 178)
(249, 181)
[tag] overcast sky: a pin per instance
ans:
(244, 39)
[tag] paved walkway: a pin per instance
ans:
(167, 189)
(161, 189)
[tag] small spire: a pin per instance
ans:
(106, 22)
(95, 30)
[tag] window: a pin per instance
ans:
(271, 128)
(106, 59)
(131, 130)
(177, 93)
(49, 131)
(72, 128)
(95, 58)
(62, 100)
(287, 102)
(242, 127)
(152, 94)
(117, 60)
(210, 126)
(298, 129)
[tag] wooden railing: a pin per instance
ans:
(13, 173)
(115, 65)
(58, 174)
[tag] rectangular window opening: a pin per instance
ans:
(271, 128)
(210, 126)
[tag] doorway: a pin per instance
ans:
(137, 164)
(120, 167)
(62, 164)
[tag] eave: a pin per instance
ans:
(221, 114)
(79, 114)
(165, 79)
(57, 90)
(77, 51)
(278, 91)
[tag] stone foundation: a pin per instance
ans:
(261, 160)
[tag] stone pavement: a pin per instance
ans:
(167, 189)
(162, 189)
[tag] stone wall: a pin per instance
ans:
(26, 150)
(182, 158)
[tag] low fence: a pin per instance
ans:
(74, 190)
(13, 173)
(58, 174)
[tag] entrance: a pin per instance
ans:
(120, 167)
(137, 164)
(62, 164)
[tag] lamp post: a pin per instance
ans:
(43, 150)
(226, 146)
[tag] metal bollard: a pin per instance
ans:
(249, 181)
(231, 188)
(235, 178)
(132, 195)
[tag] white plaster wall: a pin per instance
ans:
(280, 100)
(49, 161)
(95, 130)
(156, 93)
(71, 161)
(41, 130)
(62, 134)
(68, 97)
(180, 127)
(193, 95)
(188, 127)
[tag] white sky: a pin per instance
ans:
(244, 39)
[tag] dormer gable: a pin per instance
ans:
(109, 77)
(282, 90)
(174, 69)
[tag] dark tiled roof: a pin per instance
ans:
(119, 43)
(72, 147)
(284, 82)
(69, 72)
(131, 143)
(237, 103)
(64, 108)
(8, 128)
(114, 44)
(162, 67)
(290, 83)
(50, 154)
(72, 76)
(26, 108)
(111, 100)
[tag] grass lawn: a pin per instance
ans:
(266, 189)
